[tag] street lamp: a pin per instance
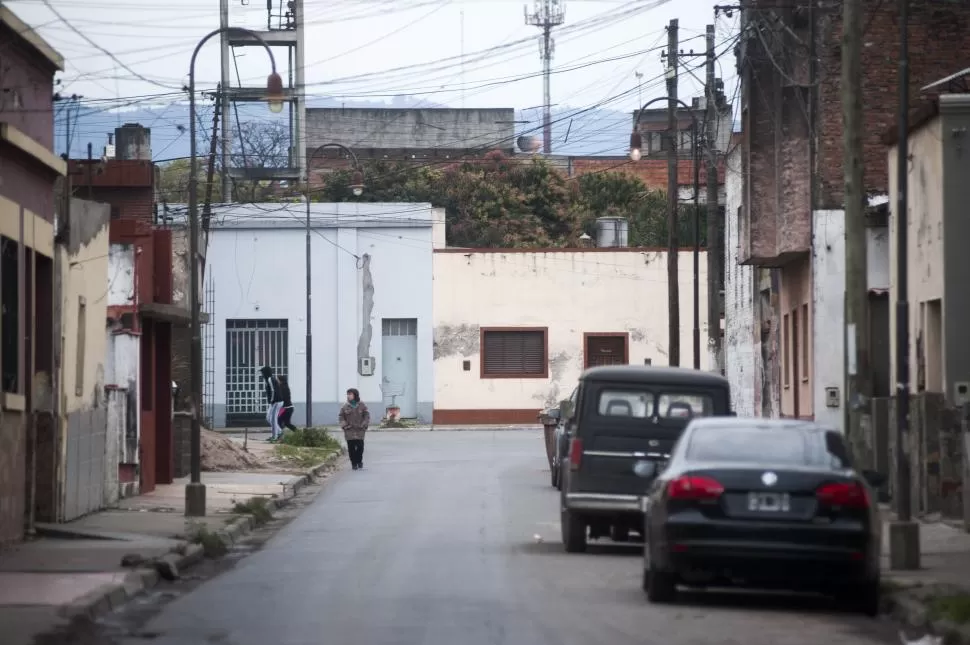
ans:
(357, 187)
(195, 490)
(636, 153)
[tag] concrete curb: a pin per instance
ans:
(910, 606)
(110, 597)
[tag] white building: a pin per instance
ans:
(371, 306)
(514, 328)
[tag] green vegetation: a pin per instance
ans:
(258, 507)
(307, 448)
(954, 608)
(213, 546)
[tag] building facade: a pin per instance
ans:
(938, 261)
(371, 306)
(29, 170)
(141, 316)
(791, 217)
(71, 452)
(515, 328)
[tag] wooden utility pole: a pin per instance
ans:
(857, 378)
(673, 225)
(714, 250)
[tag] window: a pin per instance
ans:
(514, 353)
(82, 323)
(252, 343)
(685, 406)
(786, 357)
(805, 352)
(769, 445)
(10, 315)
(619, 403)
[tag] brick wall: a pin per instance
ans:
(777, 110)
(937, 44)
(653, 172)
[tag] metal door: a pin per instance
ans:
(251, 344)
(399, 383)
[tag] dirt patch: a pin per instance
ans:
(220, 454)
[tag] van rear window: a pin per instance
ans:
(641, 405)
(620, 403)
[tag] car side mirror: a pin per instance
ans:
(875, 479)
(566, 410)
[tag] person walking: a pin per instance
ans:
(354, 420)
(286, 411)
(274, 397)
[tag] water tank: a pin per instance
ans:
(528, 143)
(612, 232)
(132, 141)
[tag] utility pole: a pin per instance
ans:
(714, 250)
(210, 171)
(673, 225)
(547, 14)
(225, 140)
(856, 345)
(904, 542)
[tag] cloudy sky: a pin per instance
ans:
(376, 49)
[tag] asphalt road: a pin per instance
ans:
(434, 544)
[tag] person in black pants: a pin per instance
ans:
(354, 420)
(286, 412)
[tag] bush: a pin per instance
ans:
(310, 438)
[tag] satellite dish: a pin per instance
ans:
(528, 143)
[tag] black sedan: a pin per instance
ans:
(766, 504)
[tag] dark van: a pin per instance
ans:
(625, 415)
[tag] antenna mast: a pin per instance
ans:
(546, 15)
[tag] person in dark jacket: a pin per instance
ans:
(286, 412)
(354, 420)
(274, 397)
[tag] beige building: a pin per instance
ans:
(938, 263)
(514, 328)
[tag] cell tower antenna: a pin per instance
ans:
(546, 14)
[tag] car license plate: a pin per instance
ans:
(769, 502)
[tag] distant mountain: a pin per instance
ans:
(575, 131)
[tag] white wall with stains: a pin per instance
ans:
(743, 365)
(569, 292)
(370, 262)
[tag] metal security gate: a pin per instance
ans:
(251, 344)
(209, 355)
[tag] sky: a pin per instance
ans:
(456, 53)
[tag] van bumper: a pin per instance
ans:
(604, 503)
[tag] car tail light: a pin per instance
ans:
(847, 494)
(693, 487)
(575, 453)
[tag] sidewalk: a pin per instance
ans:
(937, 596)
(98, 562)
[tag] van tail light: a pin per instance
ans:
(694, 488)
(575, 453)
(844, 494)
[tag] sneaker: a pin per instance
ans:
(354, 466)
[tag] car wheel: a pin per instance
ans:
(863, 598)
(661, 587)
(619, 533)
(573, 532)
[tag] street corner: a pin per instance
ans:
(937, 609)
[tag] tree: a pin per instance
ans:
(261, 144)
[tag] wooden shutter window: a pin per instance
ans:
(514, 353)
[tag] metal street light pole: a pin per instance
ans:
(195, 490)
(636, 151)
(904, 540)
(357, 186)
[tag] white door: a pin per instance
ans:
(399, 381)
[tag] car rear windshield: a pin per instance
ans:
(639, 404)
(758, 445)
